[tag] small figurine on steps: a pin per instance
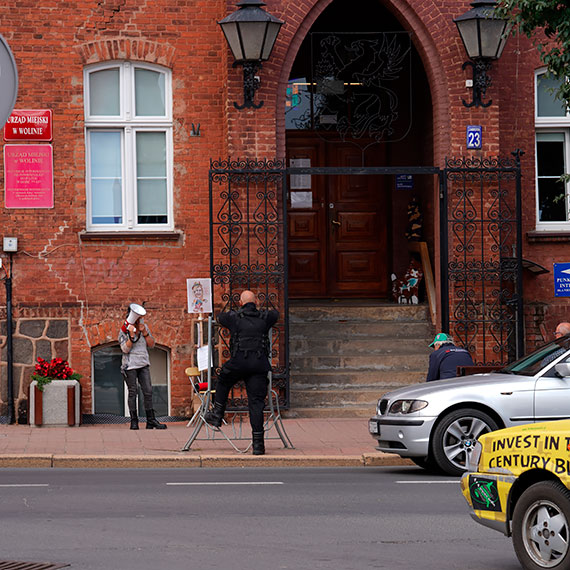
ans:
(405, 290)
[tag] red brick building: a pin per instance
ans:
(142, 96)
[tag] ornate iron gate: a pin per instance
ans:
(481, 256)
(481, 250)
(248, 244)
(248, 250)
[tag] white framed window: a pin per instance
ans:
(128, 134)
(552, 121)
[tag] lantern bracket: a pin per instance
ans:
(251, 84)
(481, 81)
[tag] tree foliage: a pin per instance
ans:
(547, 22)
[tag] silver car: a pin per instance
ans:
(435, 424)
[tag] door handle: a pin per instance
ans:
(335, 222)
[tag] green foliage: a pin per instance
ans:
(547, 22)
(42, 381)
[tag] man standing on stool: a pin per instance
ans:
(249, 348)
(135, 342)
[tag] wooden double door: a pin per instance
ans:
(338, 224)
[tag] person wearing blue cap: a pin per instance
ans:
(445, 358)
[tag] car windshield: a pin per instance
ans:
(537, 360)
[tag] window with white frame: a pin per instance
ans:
(552, 120)
(128, 129)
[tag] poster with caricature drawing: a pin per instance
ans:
(199, 295)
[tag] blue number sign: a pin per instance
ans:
(474, 136)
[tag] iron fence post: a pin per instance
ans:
(444, 249)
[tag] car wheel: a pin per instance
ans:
(455, 436)
(541, 527)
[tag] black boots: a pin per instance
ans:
(134, 420)
(215, 416)
(258, 444)
(151, 422)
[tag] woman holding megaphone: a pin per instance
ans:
(135, 340)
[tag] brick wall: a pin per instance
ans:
(61, 275)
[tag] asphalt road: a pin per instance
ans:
(342, 519)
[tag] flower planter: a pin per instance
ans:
(57, 405)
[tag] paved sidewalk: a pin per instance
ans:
(318, 442)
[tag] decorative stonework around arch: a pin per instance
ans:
(119, 48)
(107, 331)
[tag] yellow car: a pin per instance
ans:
(518, 483)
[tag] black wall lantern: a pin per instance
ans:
(484, 37)
(251, 33)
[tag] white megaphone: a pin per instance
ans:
(135, 313)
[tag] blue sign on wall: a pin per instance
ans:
(562, 279)
(474, 136)
(404, 181)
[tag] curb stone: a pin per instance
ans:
(124, 461)
(35, 461)
(58, 461)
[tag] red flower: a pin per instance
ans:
(56, 369)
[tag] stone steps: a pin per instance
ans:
(384, 379)
(365, 329)
(345, 356)
(345, 411)
(324, 346)
(363, 361)
(361, 313)
(338, 396)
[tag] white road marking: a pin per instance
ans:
(27, 485)
(424, 482)
(231, 483)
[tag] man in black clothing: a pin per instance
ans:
(446, 357)
(249, 348)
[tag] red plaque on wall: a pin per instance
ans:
(29, 125)
(28, 175)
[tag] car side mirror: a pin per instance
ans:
(563, 369)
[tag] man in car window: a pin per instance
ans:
(561, 330)
(445, 358)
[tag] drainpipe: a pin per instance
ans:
(9, 345)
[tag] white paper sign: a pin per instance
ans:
(202, 357)
(199, 295)
(301, 199)
(300, 181)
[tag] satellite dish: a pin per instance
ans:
(8, 82)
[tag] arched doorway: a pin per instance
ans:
(357, 96)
